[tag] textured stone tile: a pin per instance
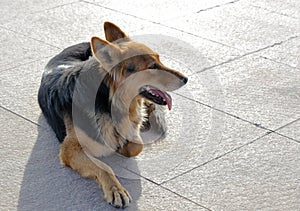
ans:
(195, 135)
(256, 89)
(19, 88)
(17, 9)
(17, 50)
(17, 139)
(240, 26)
(186, 52)
(159, 10)
(287, 53)
(157, 198)
(261, 176)
(289, 8)
(291, 131)
(72, 23)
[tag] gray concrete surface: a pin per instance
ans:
(233, 141)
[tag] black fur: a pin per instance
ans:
(55, 95)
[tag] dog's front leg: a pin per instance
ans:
(73, 155)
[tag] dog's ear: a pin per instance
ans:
(105, 52)
(113, 32)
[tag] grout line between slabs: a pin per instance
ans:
(227, 113)
(292, 139)
(25, 63)
(40, 41)
(244, 120)
(55, 7)
(278, 62)
(286, 125)
(167, 189)
(118, 11)
(272, 11)
(244, 55)
(218, 157)
(18, 115)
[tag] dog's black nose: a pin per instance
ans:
(184, 80)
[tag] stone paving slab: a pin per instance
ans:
(238, 25)
(17, 9)
(15, 151)
(158, 11)
(253, 88)
(17, 50)
(54, 26)
(19, 88)
(287, 53)
(288, 8)
(261, 176)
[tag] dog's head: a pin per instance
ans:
(121, 57)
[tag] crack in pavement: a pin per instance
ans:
(216, 6)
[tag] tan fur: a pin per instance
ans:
(93, 147)
(132, 149)
(73, 155)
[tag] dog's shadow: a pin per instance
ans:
(47, 185)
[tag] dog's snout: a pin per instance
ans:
(184, 80)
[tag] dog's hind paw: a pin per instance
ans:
(118, 197)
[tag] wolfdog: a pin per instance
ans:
(97, 96)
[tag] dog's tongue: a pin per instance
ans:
(164, 95)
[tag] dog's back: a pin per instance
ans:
(57, 85)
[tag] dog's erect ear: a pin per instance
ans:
(113, 32)
(105, 52)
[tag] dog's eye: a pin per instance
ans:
(130, 69)
(153, 66)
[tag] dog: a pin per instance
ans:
(97, 97)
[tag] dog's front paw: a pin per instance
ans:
(131, 149)
(118, 197)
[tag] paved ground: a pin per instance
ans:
(234, 140)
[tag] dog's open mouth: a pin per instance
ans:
(157, 96)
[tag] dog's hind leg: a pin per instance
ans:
(73, 155)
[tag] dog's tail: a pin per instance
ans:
(70, 56)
